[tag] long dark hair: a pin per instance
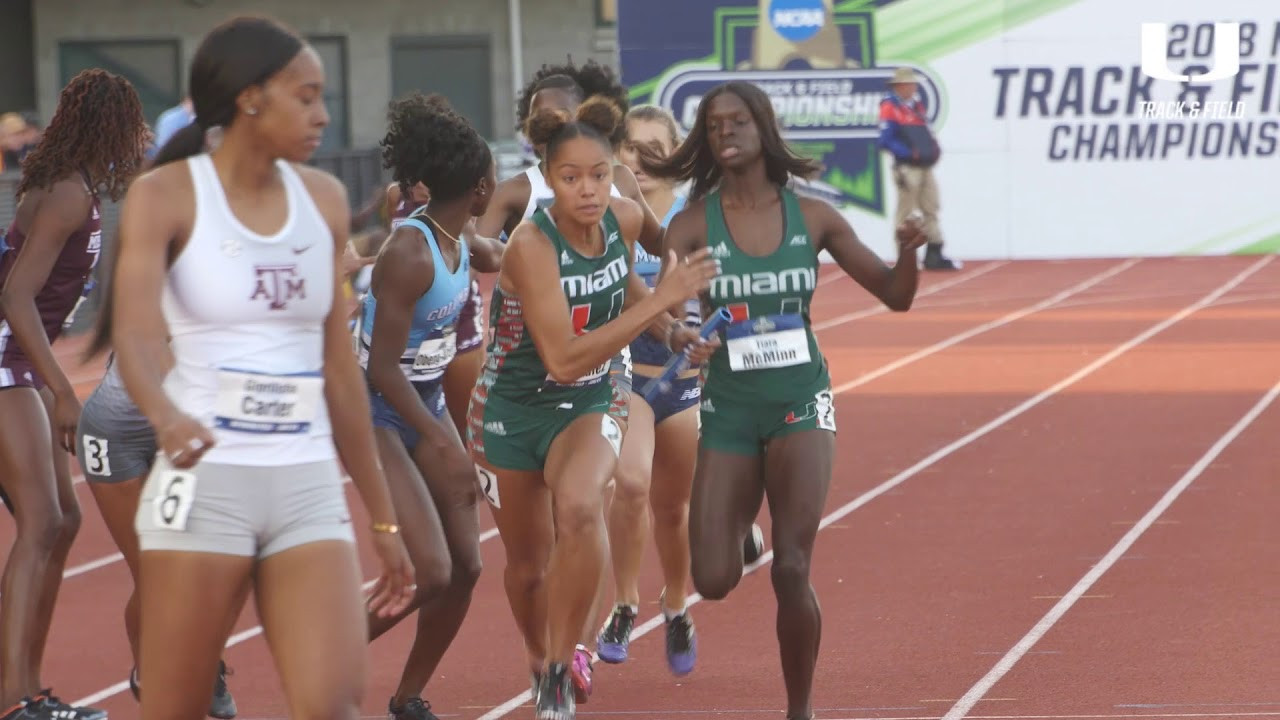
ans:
(693, 160)
(243, 52)
(98, 129)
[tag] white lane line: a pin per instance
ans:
(984, 327)
(489, 534)
(507, 707)
(932, 289)
(1038, 631)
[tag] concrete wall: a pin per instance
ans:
(551, 29)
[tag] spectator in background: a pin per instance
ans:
(17, 138)
(905, 134)
(173, 120)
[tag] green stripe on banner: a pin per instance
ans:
(924, 30)
(1266, 246)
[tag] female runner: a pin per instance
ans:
(768, 418)
(94, 145)
(234, 254)
(541, 430)
(420, 284)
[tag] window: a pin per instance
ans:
(153, 66)
(332, 50)
(606, 13)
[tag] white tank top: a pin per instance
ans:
(246, 315)
(540, 192)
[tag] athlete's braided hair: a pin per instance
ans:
(428, 142)
(97, 129)
(585, 81)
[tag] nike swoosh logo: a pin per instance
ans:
(299, 251)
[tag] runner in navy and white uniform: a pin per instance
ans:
(233, 254)
(407, 341)
(94, 145)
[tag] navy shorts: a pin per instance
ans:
(684, 394)
(384, 415)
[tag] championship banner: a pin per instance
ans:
(1068, 128)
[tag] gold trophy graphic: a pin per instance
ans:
(823, 51)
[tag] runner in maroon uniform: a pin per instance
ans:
(93, 145)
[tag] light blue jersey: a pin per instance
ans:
(431, 344)
(646, 265)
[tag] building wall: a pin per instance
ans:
(551, 29)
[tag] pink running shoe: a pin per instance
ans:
(581, 675)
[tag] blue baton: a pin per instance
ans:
(679, 363)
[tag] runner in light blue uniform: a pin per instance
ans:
(431, 344)
(406, 340)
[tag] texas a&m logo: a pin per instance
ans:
(278, 284)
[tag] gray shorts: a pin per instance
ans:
(115, 455)
(242, 510)
(114, 441)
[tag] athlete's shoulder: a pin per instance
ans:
(323, 185)
(163, 189)
(818, 215)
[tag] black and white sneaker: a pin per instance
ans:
(414, 708)
(47, 706)
(555, 697)
(753, 546)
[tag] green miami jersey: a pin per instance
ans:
(595, 288)
(769, 351)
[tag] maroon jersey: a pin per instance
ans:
(66, 282)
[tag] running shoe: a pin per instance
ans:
(415, 708)
(135, 687)
(535, 685)
(581, 674)
(753, 546)
(222, 706)
(615, 637)
(682, 644)
(46, 706)
(19, 711)
(555, 696)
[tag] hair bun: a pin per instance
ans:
(545, 124)
(601, 113)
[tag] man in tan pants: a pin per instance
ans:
(905, 135)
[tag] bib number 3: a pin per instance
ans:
(172, 505)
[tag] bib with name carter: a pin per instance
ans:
(261, 403)
(769, 350)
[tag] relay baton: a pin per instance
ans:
(679, 363)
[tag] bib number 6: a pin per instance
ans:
(170, 508)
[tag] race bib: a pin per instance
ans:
(435, 354)
(262, 403)
(172, 505)
(768, 341)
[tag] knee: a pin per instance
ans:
(714, 581)
(578, 516)
(789, 573)
(466, 572)
(523, 576)
(433, 574)
(670, 513)
(46, 528)
(69, 525)
(631, 485)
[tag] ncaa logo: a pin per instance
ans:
(1223, 38)
(797, 20)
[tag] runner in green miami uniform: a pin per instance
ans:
(768, 418)
(541, 427)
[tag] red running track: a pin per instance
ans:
(1053, 498)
